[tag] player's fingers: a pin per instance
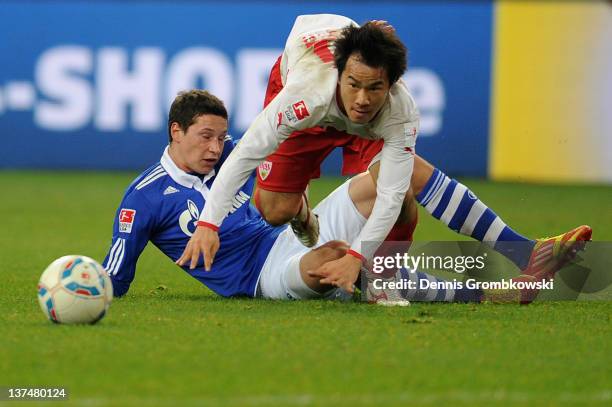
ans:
(319, 272)
(325, 280)
(350, 288)
(330, 279)
(195, 256)
(179, 261)
(186, 253)
(208, 258)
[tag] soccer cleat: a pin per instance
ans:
(390, 297)
(305, 225)
(550, 254)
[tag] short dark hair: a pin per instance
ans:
(190, 105)
(376, 47)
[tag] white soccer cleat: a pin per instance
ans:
(389, 297)
(305, 225)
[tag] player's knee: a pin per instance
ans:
(315, 258)
(277, 215)
(409, 208)
(277, 208)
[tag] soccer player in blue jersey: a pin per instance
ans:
(254, 258)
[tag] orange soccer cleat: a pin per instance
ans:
(550, 254)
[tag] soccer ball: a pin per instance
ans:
(75, 290)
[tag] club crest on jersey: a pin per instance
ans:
(264, 170)
(189, 217)
(296, 112)
(126, 220)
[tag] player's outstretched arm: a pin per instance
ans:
(205, 241)
(270, 128)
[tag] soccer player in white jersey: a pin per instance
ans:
(255, 259)
(371, 104)
(337, 84)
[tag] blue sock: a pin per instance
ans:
(457, 207)
(444, 292)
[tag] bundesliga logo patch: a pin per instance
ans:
(126, 220)
(300, 110)
(296, 112)
(264, 169)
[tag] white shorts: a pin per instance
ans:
(339, 219)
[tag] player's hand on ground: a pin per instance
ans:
(204, 241)
(342, 272)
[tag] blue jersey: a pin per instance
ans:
(163, 205)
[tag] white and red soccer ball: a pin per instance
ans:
(75, 290)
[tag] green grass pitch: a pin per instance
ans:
(170, 341)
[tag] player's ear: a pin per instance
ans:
(175, 131)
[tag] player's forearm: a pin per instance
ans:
(232, 176)
(384, 215)
(392, 185)
(271, 127)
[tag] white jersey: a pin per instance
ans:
(308, 99)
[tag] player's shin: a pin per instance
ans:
(460, 209)
(404, 228)
(399, 238)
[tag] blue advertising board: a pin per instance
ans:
(87, 85)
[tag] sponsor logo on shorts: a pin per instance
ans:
(126, 220)
(264, 170)
(296, 112)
